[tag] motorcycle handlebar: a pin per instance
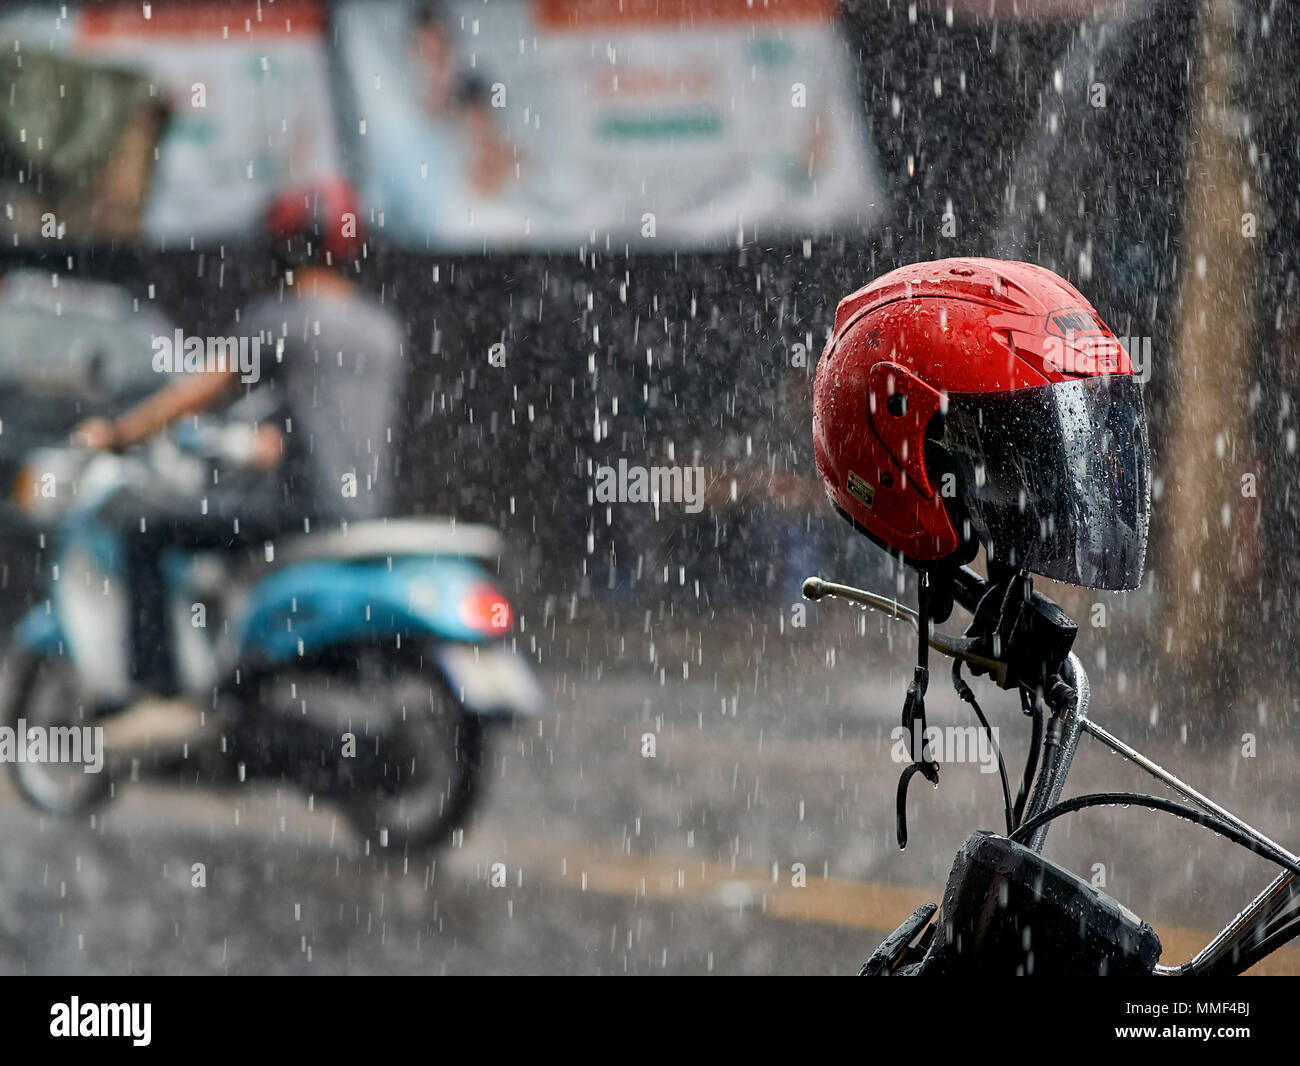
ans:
(815, 588)
(968, 588)
(49, 485)
(230, 442)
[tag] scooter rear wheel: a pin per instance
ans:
(383, 737)
(425, 813)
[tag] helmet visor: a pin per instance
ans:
(1056, 479)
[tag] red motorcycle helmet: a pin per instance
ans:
(318, 221)
(979, 401)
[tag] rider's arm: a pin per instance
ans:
(190, 395)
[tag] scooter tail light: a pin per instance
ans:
(485, 609)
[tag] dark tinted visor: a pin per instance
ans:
(1055, 479)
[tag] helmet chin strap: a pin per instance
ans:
(1014, 628)
(914, 712)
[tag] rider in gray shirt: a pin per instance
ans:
(332, 365)
(324, 390)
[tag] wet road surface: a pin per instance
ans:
(758, 837)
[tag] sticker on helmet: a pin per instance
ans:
(861, 490)
(1075, 321)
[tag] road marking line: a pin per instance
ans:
(828, 901)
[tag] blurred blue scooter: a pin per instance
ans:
(362, 665)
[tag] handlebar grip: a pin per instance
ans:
(968, 588)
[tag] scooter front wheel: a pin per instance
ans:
(43, 695)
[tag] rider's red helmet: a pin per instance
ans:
(969, 401)
(317, 221)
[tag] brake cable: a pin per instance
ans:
(1030, 706)
(1155, 803)
(965, 694)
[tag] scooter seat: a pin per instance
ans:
(388, 537)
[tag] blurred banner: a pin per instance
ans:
(246, 86)
(668, 124)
